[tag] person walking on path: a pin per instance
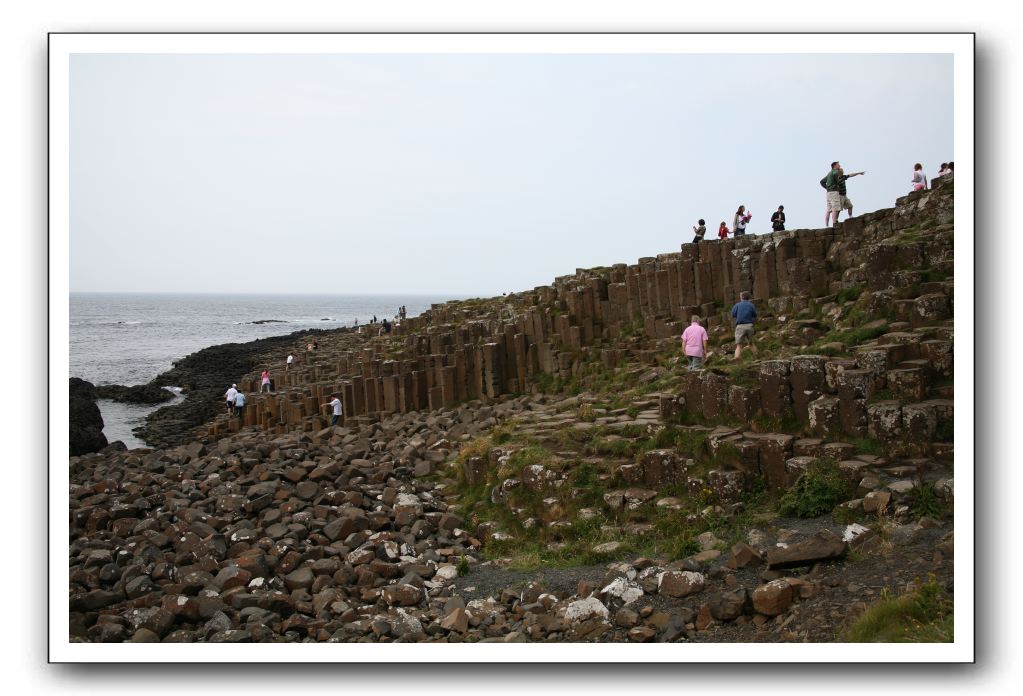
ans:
(834, 184)
(723, 231)
(778, 219)
(739, 223)
(694, 338)
(239, 404)
(698, 231)
(291, 359)
(919, 178)
(335, 405)
(744, 314)
(230, 395)
(264, 381)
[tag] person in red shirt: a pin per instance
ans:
(723, 230)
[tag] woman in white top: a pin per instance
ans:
(919, 178)
(739, 223)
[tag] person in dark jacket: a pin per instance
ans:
(778, 219)
(699, 231)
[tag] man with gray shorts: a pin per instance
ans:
(744, 314)
(838, 201)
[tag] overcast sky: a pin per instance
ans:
(466, 174)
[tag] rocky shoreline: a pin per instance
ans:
(543, 468)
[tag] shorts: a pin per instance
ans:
(834, 201)
(230, 404)
(846, 203)
(918, 187)
(744, 333)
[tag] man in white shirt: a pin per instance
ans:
(291, 359)
(230, 395)
(335, 404)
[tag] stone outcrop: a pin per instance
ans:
(85, 418)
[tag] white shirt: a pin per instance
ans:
(290, 359)
(231, 393)
(336, 403)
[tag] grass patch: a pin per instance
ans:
(816, 492)
(923, 616)
(865, 445)
(923, 501)
(850, 294)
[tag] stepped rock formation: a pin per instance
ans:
(555, 424)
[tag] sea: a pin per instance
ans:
(131, 338)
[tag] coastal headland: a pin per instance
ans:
(543, 467)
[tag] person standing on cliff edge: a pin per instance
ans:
(834, 184)
(778, 220)
(739, 223)
(699, 231)
(335, 404)
(744, 314)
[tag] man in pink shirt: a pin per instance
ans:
(694, 338)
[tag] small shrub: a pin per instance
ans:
(924, 502)
(463, 567)
(849, 294)
(923, 616)
(816, 492)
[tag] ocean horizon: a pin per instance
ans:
(130, 338)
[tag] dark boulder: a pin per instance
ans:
(138, 394)
(86, 420)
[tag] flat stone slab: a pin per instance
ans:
(824, 546)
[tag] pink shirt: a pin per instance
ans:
(693, 338)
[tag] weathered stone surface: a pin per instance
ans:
(773, 598)
(674, 583)
(824, 546)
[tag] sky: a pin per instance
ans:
(467, 175)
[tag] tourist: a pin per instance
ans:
(403, 312)
(374, 321)
(694, 338)
(264, 380)
(837, 200)
(919, 179)
(846, 202)
(316, 345)
(386, 326)
(951, 169)
(699, 230)
(230, 395)
(744, 314)
(778, 219)
(309, 347)
(239, 404)
(740, 220)
(356, 321)
(723, 231)
(335, 404)
(943, 170)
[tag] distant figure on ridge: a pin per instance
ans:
(402, 312)
(739, 223)
(951, 168)
(374, 321)
(694, 338)
(943, 170)
(919, 178)
(744, 314)
(335, 404)
(291, 359)
(386, 326)
(699, 230)
(264, 381)
(356, 321)
(230, 395)
(834, 184)
(778, 220)
(239, 404)
(723, 231)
